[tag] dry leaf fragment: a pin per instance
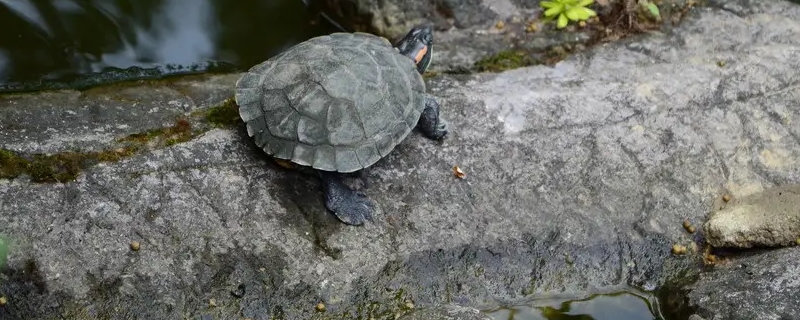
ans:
(459, 174)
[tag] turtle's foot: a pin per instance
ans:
(350, 206)
(430, 123)
(364, 176)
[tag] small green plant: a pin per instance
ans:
(566, 10)
(651, 7)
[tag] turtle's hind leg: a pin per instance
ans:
(430, 123)
(350, 206)
(363, 174)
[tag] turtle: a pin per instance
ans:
(337, 104)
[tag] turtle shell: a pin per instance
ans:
(338, 102)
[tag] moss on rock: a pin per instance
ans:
(59, 167)
(223, 115)
(385, 308)
(504, 60)
(181, 131)
(11, 165)
(66, 166)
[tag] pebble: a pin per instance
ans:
(688, 226)
(239, 292)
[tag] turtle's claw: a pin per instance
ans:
(350, 206)
(441, 130)
(354, 209)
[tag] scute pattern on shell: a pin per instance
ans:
(337, 103)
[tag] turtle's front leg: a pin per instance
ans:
(351, 206)
(430, 123)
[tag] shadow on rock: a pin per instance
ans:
(301, 194)
(27, 293)
(505, 272)
(755, 286)
(222, 286)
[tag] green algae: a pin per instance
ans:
(390, 307)
(514, 59)
(3, 251)
(223, 115)
(66, 166)
(181, 131)
(504, 60)
(429, 74)
(59, 167)
(11, 165)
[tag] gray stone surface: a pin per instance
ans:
(446, 312)
(760, 286)
(577, 176)
(394, 18)
(468, 28)
(464, 20)
(61, 120)
(766, 219)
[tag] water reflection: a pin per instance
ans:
(624, 305)
(183, 41)
(56, 39)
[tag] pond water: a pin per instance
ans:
(51, 42)
(627, 305)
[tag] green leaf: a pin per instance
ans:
(584, 3)
(554, 11)
(562, 21)
(585, 13)
(548, 4)
(573, 14)
(653, 9)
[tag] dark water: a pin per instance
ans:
(58, 42)
(626, 305)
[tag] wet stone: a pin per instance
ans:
(579, 176)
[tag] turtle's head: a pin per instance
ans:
(416, 45)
